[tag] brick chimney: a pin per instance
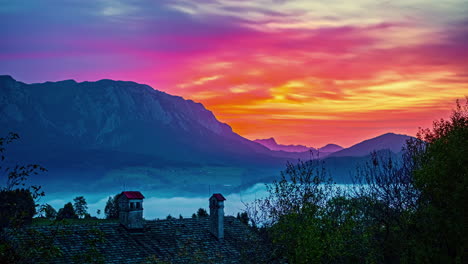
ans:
(217, 215)
(131, 210)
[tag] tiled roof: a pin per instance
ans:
(219, 197)
(133, 195)
(174, 241)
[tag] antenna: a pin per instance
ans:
(209, 190)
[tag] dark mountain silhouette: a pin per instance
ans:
(330, 148)
(272, 145)
(389, 141)
(118, 116)
(83, 131)
(105, 134)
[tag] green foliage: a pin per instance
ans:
(112, 207)
(17, 205)
(202, 212)
(94, 238)
(243, 217)
(442, 178)
(408, 209)
(17, 208)
(49, 211)
(67, 212)
(80, 206)
(33, 247)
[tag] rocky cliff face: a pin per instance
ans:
(116, 115)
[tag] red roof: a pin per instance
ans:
(133, 195)
(219, 197)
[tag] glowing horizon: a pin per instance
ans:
(300, 71)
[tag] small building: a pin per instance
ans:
(214, 239)
(131, 210)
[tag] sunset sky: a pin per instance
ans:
(302, 71)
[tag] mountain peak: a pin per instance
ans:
(391, 134)
(331, 148)
(391, 141)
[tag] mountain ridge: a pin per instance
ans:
(97, 130)
(271, 144)
(391, 141)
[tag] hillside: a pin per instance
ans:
(389, 141)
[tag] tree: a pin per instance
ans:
(67, 212)
(387, 197)
(112, 207)
(17, 208)
(243, 217)
(202, 213)
(291, 212)
(441, 175)
(402, 209)
(17, 196)
(98, 212)
(16, 176)
(80, 206)
(49, 211)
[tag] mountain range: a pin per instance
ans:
(100, 135)
(271, 144)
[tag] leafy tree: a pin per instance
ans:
(17, 196)
(243, 217)
(17, 208)
(194, 215)
(67, 212)
(441, 176)
(402, 209)
(169, 217)
(291, 212)
(112, 207)
(385, 188)
(80, 206)
(49, 211)
(202, 213)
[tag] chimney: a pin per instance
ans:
(217, 215)
(131, 210)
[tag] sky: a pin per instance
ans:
(301, 71)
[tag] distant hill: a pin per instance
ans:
(330, 148)
(272, 145)
(389, 141)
